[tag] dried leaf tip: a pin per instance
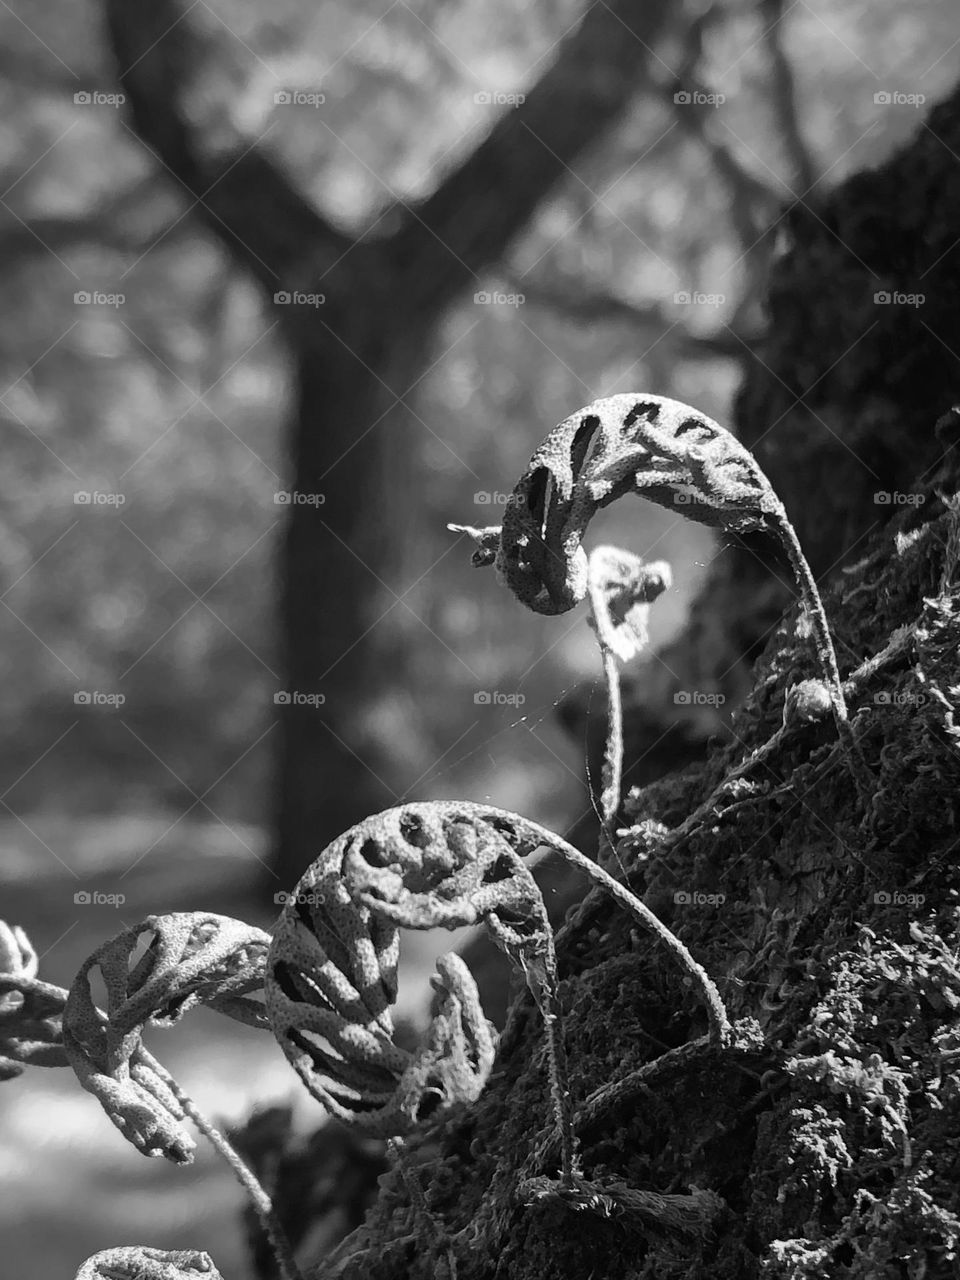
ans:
(193, 958)
(17, 956)
(487, 540)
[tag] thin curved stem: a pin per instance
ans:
(613, 755)
(609, 1096)
(542, 979)
(827, 654)
(536, 835)
(703, 811)
(245, 1176)
(717, 1014)
(811, 598)
(621, 589)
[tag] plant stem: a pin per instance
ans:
(613, 755)
(707, 809)
(542, 979)
(827, 655)
(245, 1176)
(717, 1014)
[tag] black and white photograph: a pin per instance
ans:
(480, 640)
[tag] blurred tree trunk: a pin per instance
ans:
(823, 1142)
(340, 559)
(364, 348)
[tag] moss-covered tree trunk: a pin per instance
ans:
(830, 1130)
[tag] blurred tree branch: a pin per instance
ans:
(753, 203)
(117, 224)
(484, 203)
(586, 303)
(752, 200)
(784, 92)
(246, 200)
(20, 67)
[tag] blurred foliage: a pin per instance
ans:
(176, 397)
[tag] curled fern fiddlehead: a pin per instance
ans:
(671, 454)
(332, 971)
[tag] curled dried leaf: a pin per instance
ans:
(332, 973)
(135, 1097)
(191, 958)
(670, 454)
(30, 1024)
(332, 970)
(458, 1054)
(137, 1262)
(649, 445)
(30, 1010)
(622, 587)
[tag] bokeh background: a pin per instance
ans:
(143, 664)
